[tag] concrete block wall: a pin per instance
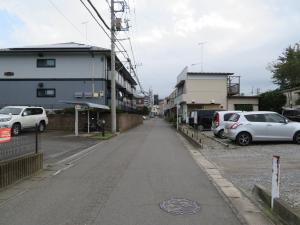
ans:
(16, 169)
(67, 121)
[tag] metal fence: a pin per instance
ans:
(27, 142)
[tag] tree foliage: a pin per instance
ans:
(145, 110)
(286, 69)
(272, 101)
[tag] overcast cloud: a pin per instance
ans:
(243, 36)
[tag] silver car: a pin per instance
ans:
(246, 127)
(219, 120)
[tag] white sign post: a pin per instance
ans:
(275, 179)
(76, 118)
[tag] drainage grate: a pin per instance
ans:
(180, 206)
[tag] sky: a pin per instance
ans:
(240, 37)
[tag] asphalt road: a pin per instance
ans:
(121, 181)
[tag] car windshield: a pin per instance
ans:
(13, 111)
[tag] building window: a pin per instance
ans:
(45, 92)
(45, 62)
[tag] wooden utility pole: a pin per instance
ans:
(113, 71)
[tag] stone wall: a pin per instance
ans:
(67, 121)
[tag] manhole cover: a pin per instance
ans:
(180, 206)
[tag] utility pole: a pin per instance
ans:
(113, 71)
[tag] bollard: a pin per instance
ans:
(192, 136)
(187, 132)
(103, 129)
(275, 178)
(200, 140)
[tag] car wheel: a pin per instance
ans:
(200, 128)
(222, 134)
(15, 129)
(297, 138)
(243, 139)
(41, 127)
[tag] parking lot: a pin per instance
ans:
(249, 165)
(55, 143)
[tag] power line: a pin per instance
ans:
(70, 22)
(99, 15)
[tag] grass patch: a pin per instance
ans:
(106, 135)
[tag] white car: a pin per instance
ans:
(219, 120)
(21, 117)
(246, 127)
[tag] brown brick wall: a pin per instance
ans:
(67, 121)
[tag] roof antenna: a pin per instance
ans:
(202, 54)
(85, 31)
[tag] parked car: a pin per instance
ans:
(21, 117)
(292, 114)
(191, 119)
(204, 118)
(219, 120)
(246, 127)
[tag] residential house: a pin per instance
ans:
(45, 74)
(140, 101)
(292, 95)
(200, 90)
(155, 110)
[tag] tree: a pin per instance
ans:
(286, 69)
(145, 110)
(272, 101)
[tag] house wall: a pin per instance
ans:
(72, 73)
(295, 96)
(68, 65)
(247, 101)
(183, 76)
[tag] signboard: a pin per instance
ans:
(8, 73)
(5, 135)
(77, 106)
(195, 118)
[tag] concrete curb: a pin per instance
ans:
(246, 211)
(287, 213)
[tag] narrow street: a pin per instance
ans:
(120, 182)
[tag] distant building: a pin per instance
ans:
(45, 74)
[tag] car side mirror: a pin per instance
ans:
(25, 114)
(286, 121)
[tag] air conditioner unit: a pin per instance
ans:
(78, 95)
(88, 94)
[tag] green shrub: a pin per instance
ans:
(58, 111)
(244, 107)
(170, 120)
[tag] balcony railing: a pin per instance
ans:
(233, 89)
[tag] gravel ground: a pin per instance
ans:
(250, 165)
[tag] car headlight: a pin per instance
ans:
(5, 119)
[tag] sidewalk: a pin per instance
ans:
(121, 181)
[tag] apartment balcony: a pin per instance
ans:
(233, 89)
(121, 84)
